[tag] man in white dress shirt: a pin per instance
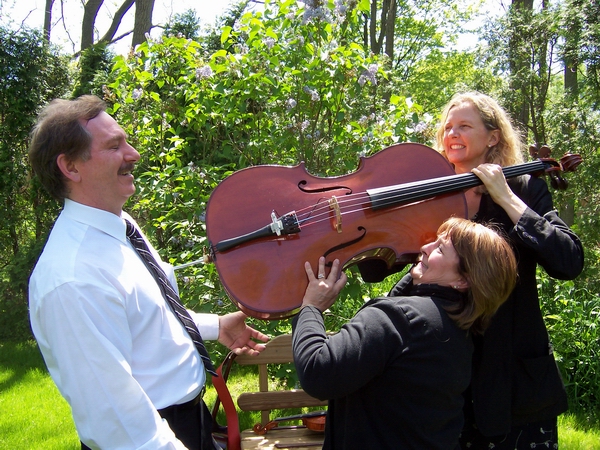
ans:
(113, 346)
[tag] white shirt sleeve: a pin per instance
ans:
(208, 325)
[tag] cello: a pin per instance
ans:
(264, 222)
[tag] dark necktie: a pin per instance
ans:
(170, 295)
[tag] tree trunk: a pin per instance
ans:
(373, 28)
(143, 21)
(517, 62)
(90, 12)
(383, 24)
(110, 34)
(381, 32)
(540, 83)
(567, 212)
(48, 19)
(390, 30)
(570, 78)
(572, 33)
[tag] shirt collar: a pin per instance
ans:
(105, 221)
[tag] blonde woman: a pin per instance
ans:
(516, 393)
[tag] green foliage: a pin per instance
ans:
(95, 61)
(574, 127)
(582, 44)
(31, 74)
(421, 27)
(436, 78)
(281, 91)
(186, 25)
(522, 45)
(572, 308)
(572, 316)
(210, 40)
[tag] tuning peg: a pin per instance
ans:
(563, 184)
(545, 151)
(533, 150)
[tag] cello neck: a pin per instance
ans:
(399, 194)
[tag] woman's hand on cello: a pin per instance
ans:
(492, 177)
(322, 289)
(495, 182)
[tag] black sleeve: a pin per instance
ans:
(337, 365)
(558, 249)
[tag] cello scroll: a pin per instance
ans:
(568, 163)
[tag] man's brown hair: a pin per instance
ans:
(60, 129)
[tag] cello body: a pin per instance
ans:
(265, 277)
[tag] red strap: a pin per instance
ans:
(233, 425)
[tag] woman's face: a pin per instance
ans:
(466, 139)
(439, 264)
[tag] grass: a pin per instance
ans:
(34, 415)
(576, 432)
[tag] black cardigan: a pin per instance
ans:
(394, 375)
(515, 378)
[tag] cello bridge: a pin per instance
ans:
(335, 206)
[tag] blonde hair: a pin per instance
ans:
(488, 263)
(509, 149)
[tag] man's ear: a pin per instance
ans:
(68, 168)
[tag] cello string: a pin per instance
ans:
(355, 203)
(348, 203)
(403, 194)
(428, 187)
(361, 209)
(407, 192)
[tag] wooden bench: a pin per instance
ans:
(278, 351)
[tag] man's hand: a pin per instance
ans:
(239, 337)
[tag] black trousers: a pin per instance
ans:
(542, 434)
(192, 424)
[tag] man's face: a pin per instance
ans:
(105, 178)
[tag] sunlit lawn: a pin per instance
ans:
(33, 415)
(32, 412)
